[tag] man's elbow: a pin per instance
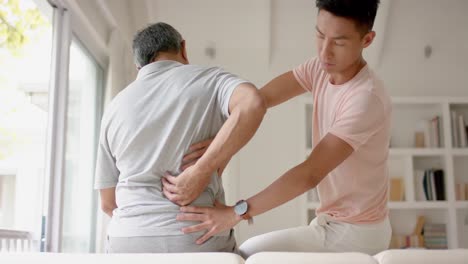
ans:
(257, 103)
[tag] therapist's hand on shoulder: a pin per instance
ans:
(213, 220)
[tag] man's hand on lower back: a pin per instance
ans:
(186, 187)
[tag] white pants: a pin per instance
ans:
(323, 235)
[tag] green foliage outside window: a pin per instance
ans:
(18, 24)
(21, 22)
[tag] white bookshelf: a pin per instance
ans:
(409, 113)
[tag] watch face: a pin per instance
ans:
(241, 207)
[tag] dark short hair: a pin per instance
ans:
(363, 12)
(155, 38)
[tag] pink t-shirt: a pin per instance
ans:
(358, 112)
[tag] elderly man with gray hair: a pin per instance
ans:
(148, 128)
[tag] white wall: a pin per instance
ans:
(238, 30)
(122, 18)
(415, 24)
(293, 34)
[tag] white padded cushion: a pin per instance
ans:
(310, 258)
(170, 258)
(423, 256)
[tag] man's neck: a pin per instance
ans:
(346, 75)
(169, 56)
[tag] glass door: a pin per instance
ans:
(83, 116)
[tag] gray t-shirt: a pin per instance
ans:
(145, 132)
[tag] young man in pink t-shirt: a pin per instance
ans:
(348, 163)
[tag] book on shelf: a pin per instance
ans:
(435, 236)
(419, 228)
(397, 189)
(406, 241)
(435, 132)
(419, 140)
(428, 133)
(454, 122)
(459, 130)
(415, 240)
(433, 185)
(439, 185)
(462, 132)
(461, 191)
(419, 186)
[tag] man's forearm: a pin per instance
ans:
(108, 203)
(239, 128)
(293, 183)
(326, 156)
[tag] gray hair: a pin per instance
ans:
(155, 38)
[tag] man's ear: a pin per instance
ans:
(368, 39)
(183, 51)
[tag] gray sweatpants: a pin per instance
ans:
(171, 244)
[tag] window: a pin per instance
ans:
(25, 57)
(47, 157)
